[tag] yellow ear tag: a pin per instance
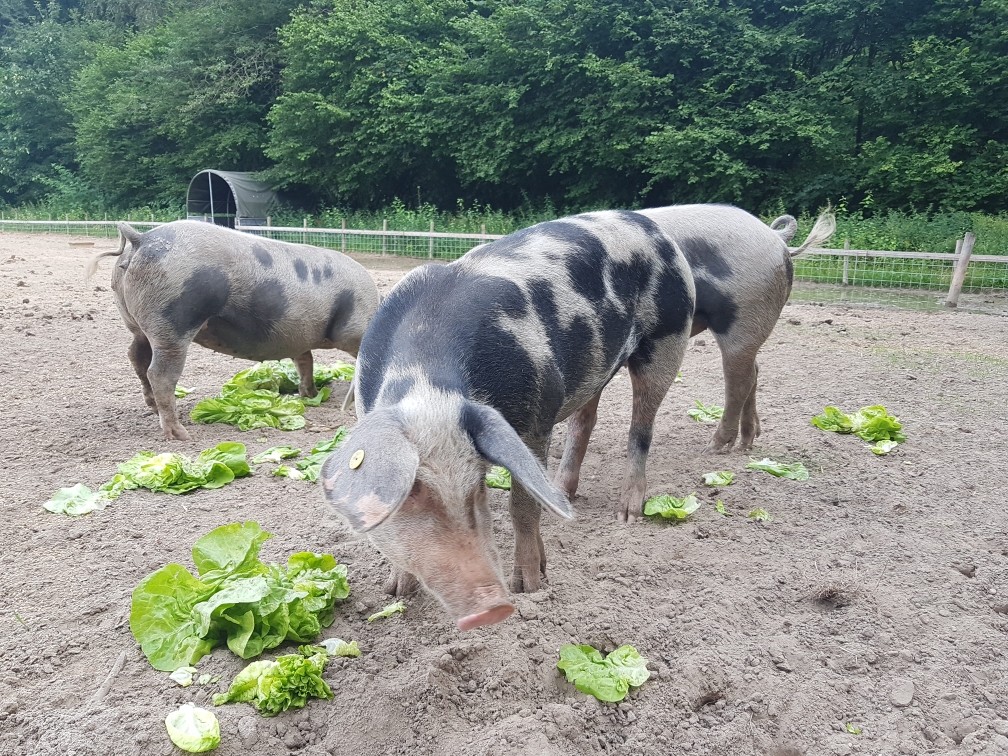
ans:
(356, 459)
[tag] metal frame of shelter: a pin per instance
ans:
(230, 198)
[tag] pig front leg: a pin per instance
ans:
(305, 365)
(579, 429)
(530, 552)
(651, 376)
(401, 583)
(165, 369)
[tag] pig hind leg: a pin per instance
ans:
(740, 392)
(165, 369)
(651, 376)
(579, 429)
(750, 424)
(530, 552)
(305, 365)
(140, 357)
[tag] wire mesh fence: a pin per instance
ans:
(837, 267)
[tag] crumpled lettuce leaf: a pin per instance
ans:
(870, 424)
(760, 515)
(176, 473)
(193, 729)
(310, 467)
(670, 507)
(795, 471)
(719, 507)
(275, 686)
(332, 443)
(883, 447)
(184, 676)
(77, 500)
(339, 647)
(339, 371)
(237, 600)
(181, 391)
(609, 678)
(388, 611)
(276, 454)
(499, 477)
(704, 413)
(719, 478)
(249, 409)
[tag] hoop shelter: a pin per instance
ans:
(230, 198)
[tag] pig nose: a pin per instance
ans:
(496, 614)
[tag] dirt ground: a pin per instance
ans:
(912, 548)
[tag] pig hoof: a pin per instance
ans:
(309, 393)
(401, 583)
(526, 579)
(178, 433)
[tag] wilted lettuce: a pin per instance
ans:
(703, 413)
(275, 454)
(249, 409)
(868, 423)
(883, 447)
(275, 686)
(718, 478)
(670, 507)
(193, 729)
(338, 647)
(77, 500)
(609, 678)
(310, 467)
(176, 473)
(237, 599)
(719, 507)
(795, 471)
(759, 514)
(499, 477)
(388, 611)
(181, 391)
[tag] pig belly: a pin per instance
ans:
(226, 338)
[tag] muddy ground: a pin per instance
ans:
(911, 548)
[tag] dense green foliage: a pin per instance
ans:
(889, 105)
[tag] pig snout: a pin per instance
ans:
(492, 607)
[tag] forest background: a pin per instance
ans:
(504, 112)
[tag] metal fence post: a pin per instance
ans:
(430, 249)
(959, 275)
(846, 262)
(384, 239)
(343, 226)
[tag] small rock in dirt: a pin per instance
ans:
(969, 570)
(902, 693)
(293, 739)
(794, 321)
(1001, 742)
(1000, 726)
(247, 731)
(1001, 608)
(701, 532)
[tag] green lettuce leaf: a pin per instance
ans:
(310, 467)
(703, 413)
(177, 474)
(719, 507)
(276, 686)
(670, 507)
(286, 471)
(499, 477)
(116, 485)
(609, 678)
(719, 478)
(230, 550)
(870, 424)
(183, 676)
(181, 391)
(339, 371)
(333, 443)
(760, 515)
(883, 447)
(338, 647)
(161, 618)
(275, 454)
(251, 408)
(795, 471)
(315, 401)
(388, 611)
(76, 501)
(193, 729)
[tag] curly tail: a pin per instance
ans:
(824, 228)
(126, 234)
(786, 226)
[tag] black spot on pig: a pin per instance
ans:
(715, 305)
(788, 267)
(341, 311)
(267, 306)
(327, 272)
(316, 275)
(503, 375)
(571, 346)
(204, 294)
(301, 269)
(263, 256)
(586, 264)
(511, 300)
(395, 389)
(703, 255)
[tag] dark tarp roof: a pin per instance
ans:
(250, 199)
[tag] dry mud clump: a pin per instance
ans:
(873, 601)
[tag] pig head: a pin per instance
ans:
(412, 477)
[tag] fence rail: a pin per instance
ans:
(844, 267)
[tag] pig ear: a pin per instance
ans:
(372, 472)
(498, 442)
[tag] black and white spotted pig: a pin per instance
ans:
(743, 272)
(235, 293)
(473, 363)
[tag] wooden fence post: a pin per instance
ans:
(430, 250)
(959, 275)
(846, 263)
(68, 223)
(343, 225)
(269, 222)
(304, 233)
(384, 239)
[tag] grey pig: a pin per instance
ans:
(471, 364)
(743, 272)
(234, 293)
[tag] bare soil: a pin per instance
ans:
(876, 578)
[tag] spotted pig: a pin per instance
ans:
(235, 293)
(471, 364)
